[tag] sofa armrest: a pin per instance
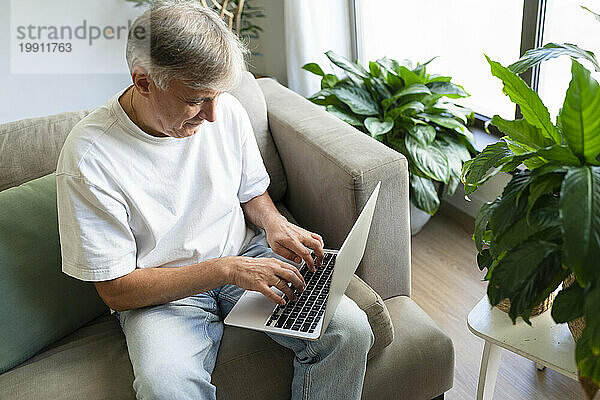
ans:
(331, 170)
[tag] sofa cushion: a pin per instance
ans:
(29, 148)
(40, 304)
(93, 363)
(377, 313)
(419, 364)
(253, 100)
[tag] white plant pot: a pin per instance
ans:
(418, 219)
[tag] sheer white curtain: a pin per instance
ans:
(313, 27)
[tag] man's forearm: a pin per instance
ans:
(151, 286)
(261, 211)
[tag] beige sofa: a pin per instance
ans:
(322, 171)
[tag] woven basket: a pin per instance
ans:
(576, 327)
(504, 305)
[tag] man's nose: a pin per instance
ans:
(209, 111)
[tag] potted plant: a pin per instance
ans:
(409, 110)
(546, 224)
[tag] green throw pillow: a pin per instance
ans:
(38, 303)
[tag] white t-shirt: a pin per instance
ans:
(130, 200)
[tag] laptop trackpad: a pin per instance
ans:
(254, 310)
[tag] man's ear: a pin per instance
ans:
(142, 81)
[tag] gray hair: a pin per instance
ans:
(184, 40)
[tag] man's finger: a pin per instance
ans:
(318, 237)
(302, 251)
(271, 295)
(293, 276)
(283, 286)
(316, 246)
(285, 253)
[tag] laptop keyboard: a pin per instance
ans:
(304, 314)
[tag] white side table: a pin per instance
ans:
(546, 343)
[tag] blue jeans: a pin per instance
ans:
(173, 347)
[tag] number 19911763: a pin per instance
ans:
(49, 47)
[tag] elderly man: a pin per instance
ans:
(163, 205)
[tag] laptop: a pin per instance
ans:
(309, 316)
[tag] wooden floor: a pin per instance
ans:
(446, 283)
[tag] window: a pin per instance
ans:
(459, 32)
(567, 22)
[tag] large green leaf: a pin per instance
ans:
(532, 108)
(551, 50)
(420, 68)
(393, 81)
(542, 217)
(484, 259)
(579, 117)
(453, 110)
(408, 76)
(428, 159)
(329, 81)
(485, 165)
(522, 132)
(377, 127)
(409, 90)
(377, 85)
(410, 108)
(449, 123)
(314, 68)
(542, 185)
(439, 78)
(347, 65)
(388, 64)
(325, 97)
(514, 269)
(456, 146)
(481, 223)
(587, 352)
(374, 69)
(580, 214)
(513, 205)
(544, 280)
(568, 304)
(344, 115)
(597, 16)
(455, 153)
(423, 194)
(448, 89)
(560, 154)
(359, 100)
(424, 134)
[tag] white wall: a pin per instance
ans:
(271, 43)
(32, 95)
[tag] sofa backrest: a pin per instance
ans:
(29, 148)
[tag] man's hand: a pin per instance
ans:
(292, 242)
(259, 274)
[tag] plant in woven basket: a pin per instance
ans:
(546, 224)
(408, 110)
